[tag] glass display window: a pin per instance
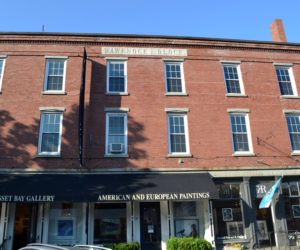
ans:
(109, 223)
(188, 219)
(66, 223)
(228, 213)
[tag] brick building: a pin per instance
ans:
(182, 136)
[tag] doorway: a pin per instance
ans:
(264, 226)
(24, 225)
(150, 226)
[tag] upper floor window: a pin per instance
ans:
(177, 133)
(240, 132)
(286, 80)
(233, 79)
(116, 76)
(55, 75)
(2, 62)
(116, 134)
(293, 123)
(50, 133)
(174, 77)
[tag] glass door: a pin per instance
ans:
(25, 225)
(150, 226)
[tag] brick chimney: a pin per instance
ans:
(277, 30)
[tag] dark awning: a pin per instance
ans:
(95, 187)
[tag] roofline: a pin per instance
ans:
(146, 36)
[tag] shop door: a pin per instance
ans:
(25, 225)
(264, 226)
(150, 226)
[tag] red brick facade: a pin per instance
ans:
(208, 120)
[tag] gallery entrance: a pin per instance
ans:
(264, 226)
(150, 226)
(25, 224)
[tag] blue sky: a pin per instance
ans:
(236, 19)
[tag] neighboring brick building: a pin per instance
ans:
(180, 134)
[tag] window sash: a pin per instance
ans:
(55, 75)
(116, 76)
(118, 135)
(284, 80)
(50, 133)
(240, 133)
(232, 78)
(293, 123)
(177, 127)
(2, 62)
(174, 77)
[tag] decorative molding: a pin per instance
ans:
(283, 64)
(233, 62)
(56, 57)
(238, 110)
(62, 109)
(116, 110)
(117, 58)
(177, 110)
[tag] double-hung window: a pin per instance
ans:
(116, 76)
(50, 133)
(116, 134)
(233, 79)
(293, 123)
(2, 62)
(177, 133)
(174, 77)
(286, 80)
(240, 133)
(55, 75)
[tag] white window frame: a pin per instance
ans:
(48, 59)
(245, 114)
(236, 64)
(108, 63)
(118, 114)
(2, 58)
(184, 115)
(180, 63)
(50, 154)
(292, 113)
(287, 66)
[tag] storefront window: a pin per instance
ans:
(109, 223)
(291, 197)
(66, 223)
(188, 219)
(227, 212)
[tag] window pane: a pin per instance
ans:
(109, 223)
(239, 133)
(55, 74)
(232, 79)
(50, 143)
(116, 125)
(173, 74)
(284, 81)
(293, 123)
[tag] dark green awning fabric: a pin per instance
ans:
(105, 187)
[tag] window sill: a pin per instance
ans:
(47, 156)
(236, 95)
(295, 153)
(176, 94)
(54, 93)
(289, 97)
(245, 154)
(180, 155)
(116, 156)
(117, 93)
